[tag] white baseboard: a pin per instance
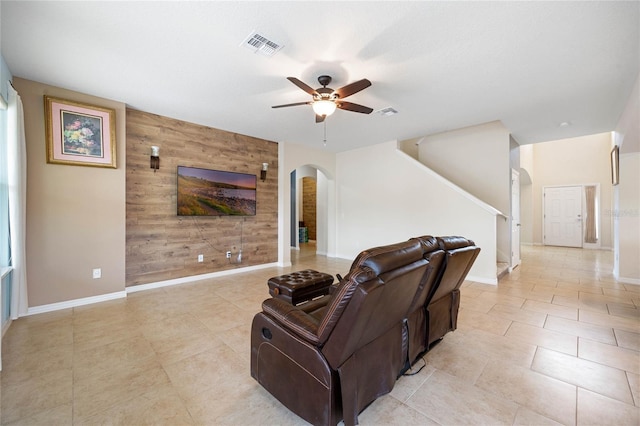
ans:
(628, 280)
(75, 302)
(482, 280)
(345, 257)
(142, 287)
(123, 294)
(585, 247)
(595, 247)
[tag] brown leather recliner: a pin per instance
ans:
(443, 305)
(417, 320)
(328, 360)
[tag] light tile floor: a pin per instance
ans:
(556, 342)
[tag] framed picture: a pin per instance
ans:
(79, 134)
(615, 172)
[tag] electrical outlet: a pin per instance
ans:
(228, 255)
(97, 273)
(200, 258)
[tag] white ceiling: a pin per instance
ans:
(442, 65)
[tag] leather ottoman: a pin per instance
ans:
(300, 286)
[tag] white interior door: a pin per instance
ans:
(515, 218)
(563, 216)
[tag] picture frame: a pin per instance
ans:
(79, 134)
(615, 171)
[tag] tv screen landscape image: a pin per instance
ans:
(204, 192)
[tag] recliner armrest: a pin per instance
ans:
(292, 318)
(315, 305)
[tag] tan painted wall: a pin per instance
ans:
(161, 245)
(75, 215)
(384, 196)
(475, 158)
(575, 161)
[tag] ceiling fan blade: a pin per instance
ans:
(352, 88)
(289, 105)
(302, 85)
(320, 118)
(354, 107)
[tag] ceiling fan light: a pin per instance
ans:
(325, 108)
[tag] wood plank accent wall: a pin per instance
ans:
(309, 200)
(161, 245)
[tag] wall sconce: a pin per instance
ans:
(263, 172)
(155, 158)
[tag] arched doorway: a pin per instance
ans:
(309, 199)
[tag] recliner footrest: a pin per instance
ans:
(300, 286)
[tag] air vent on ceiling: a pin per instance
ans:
(260, 44)
(387, 111)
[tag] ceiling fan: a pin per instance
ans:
(326, 100)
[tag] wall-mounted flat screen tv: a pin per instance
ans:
(204, 192)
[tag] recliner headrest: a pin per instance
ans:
(454, 242)
(428, 242)
(386, 258)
